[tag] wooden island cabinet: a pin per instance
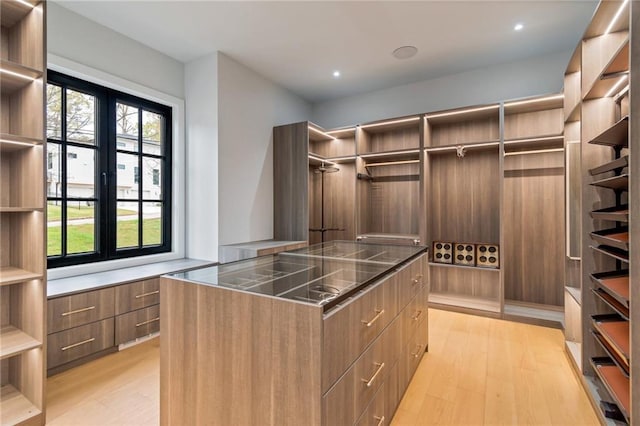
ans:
(326, 335)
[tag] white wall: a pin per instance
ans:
(249, 106)
(81, 40)
(201, 98)
(534, 76)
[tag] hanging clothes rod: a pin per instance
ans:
(466, 147)
(533, 151)
(393, 163)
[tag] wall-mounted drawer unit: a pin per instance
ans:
(72, 311)
(136, 324)
(70, 345)
(137, 295)
(351, 328)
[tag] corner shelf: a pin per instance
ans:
(14, 341)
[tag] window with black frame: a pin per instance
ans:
(108, 173)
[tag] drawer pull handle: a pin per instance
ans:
(373, 378)
(374, 319)
(379, 419)
(77, 311)
(84, 342)
(417, 353)
(418, 314)
(151, 293)
(147, 321)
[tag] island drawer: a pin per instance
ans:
(411, 279)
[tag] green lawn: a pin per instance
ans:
(77, 212)
(80, 238)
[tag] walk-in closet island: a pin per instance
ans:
(329, 334)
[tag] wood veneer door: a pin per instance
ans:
(78, 342)
(72, 311)
(134, 296)
(136, 324)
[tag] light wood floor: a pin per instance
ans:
(478, 371)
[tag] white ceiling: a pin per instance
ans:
(299, 44)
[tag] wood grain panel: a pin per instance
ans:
(21, 173)
(136, 324)
(25, 40)
(133, 296)
(394, 200)
(376, 413)
(345, 335)
(461, 132)
(597, 52)
(290, 182)
(21, 119)
(392, 140)
(342, 147)
(18, 228)
(72, 311)
(465, 197)
(533, 124)
(534, 231)
(464, 281)
(339, 203)
(69, 345)
(245, 341)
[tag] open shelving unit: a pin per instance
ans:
(22, 214)
(603, 68)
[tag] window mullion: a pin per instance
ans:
(141, 174)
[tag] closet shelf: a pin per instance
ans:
(614, 381)
(10, 143)
(451, 265)
(615, 136)
(575, 293)
(538, 143)
(486, 145)
(615, 331)
(618, 163)
(614, 237)
(15, 76)
(575, 114)
(462, 301)
(617, 214)
(611, 352)
(12, 275)
(16, 408)
(615, 283)
(606, 81)
(613, 252)
(14, 341)
(612, 302)
(389, 156)
(616, 182)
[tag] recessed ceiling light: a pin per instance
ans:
(518, 27)
(336, 74)
(405, 52)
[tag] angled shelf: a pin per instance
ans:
(16, 408)
(620, 183)
(12, 275)
(615, 283)
(14, 341)
(615, 136)
(615, 331)
(615, 253)
(617, 164)
(620, 362)
(616, 214)
(614, 381)
(612, 302)
(614, 237)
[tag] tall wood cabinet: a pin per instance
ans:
(22, 213)
(602, 249)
